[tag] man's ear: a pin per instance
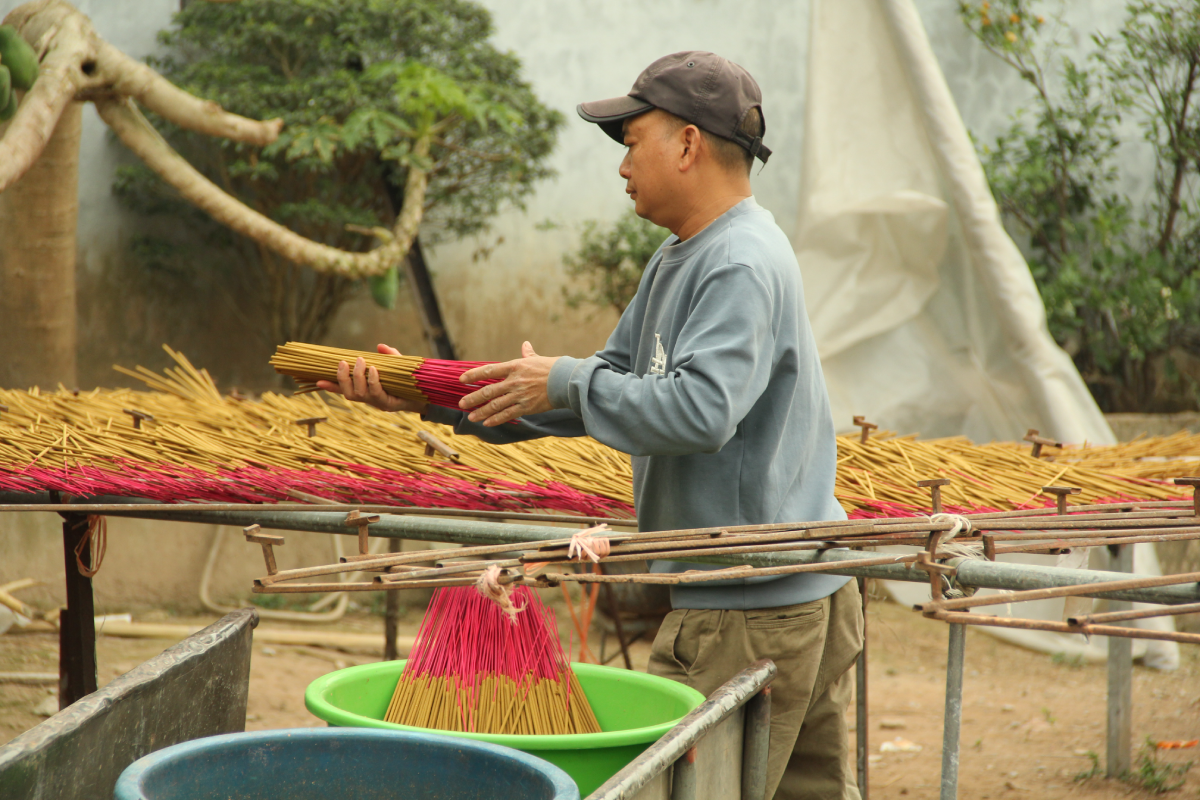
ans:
(691, 142)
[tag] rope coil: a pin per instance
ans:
(96, 536)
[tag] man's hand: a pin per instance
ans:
(362, 386)
(521, 390)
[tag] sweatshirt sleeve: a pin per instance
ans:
(720, 363)
(559, 422)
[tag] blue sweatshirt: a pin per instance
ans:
(711, 382)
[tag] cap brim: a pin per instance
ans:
(609, 114)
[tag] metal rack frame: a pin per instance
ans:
(78, 637)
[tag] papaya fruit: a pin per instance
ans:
(8, 98)
(385, 287)
(18, 57)
(10, 110)
(5, 86)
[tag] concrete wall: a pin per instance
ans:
(572, 51)
(149, 563)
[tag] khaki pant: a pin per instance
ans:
(813, 645)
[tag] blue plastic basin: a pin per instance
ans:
(342, 763)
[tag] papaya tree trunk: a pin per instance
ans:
(37, 264)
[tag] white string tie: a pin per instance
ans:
(488, 584)
(587, 544)
(960, 525)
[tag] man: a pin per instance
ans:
(711, 382)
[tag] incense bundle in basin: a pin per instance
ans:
(474, 668)
(427, 380)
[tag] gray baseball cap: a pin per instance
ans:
(709, 91)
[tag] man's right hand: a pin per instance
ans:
(362, 386)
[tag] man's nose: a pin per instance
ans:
(624, 169)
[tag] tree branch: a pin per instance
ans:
(1176, 134)
(134, 79)
(59, 77)
(140, 137)
(78, 65)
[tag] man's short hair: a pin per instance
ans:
(728, 153)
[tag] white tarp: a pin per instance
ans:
(925, 313)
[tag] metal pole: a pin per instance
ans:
(672, 747)
(860, 702)
(614, 611)
(77, 624)
(391, 613)
(683, 777)
(953, 722)
(756, 744)
(1119, 733)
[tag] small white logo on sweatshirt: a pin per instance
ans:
(658, 364)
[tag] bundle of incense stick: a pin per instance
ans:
(472, 669)
(426, 380)
(196, 444)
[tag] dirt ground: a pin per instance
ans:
(1029, 720)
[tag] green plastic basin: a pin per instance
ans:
(634, 710)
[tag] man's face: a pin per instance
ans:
(650, 166)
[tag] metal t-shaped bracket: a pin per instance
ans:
(1195, 484)
(311, 422)
(356, 519)
(867, 427)
(138, 416)
(436, 445)
(934, 485)
(1039, 442)
(268, 541)
(1061, 492)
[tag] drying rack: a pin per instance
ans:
(77, 632)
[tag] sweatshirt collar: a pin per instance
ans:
(675, 250)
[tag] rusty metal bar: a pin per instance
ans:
(967, 618)
(1105, 538)
(1143, 613)
(1098, 589)
(756, 743)
(971, 572)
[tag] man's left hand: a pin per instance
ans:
(521, 389)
